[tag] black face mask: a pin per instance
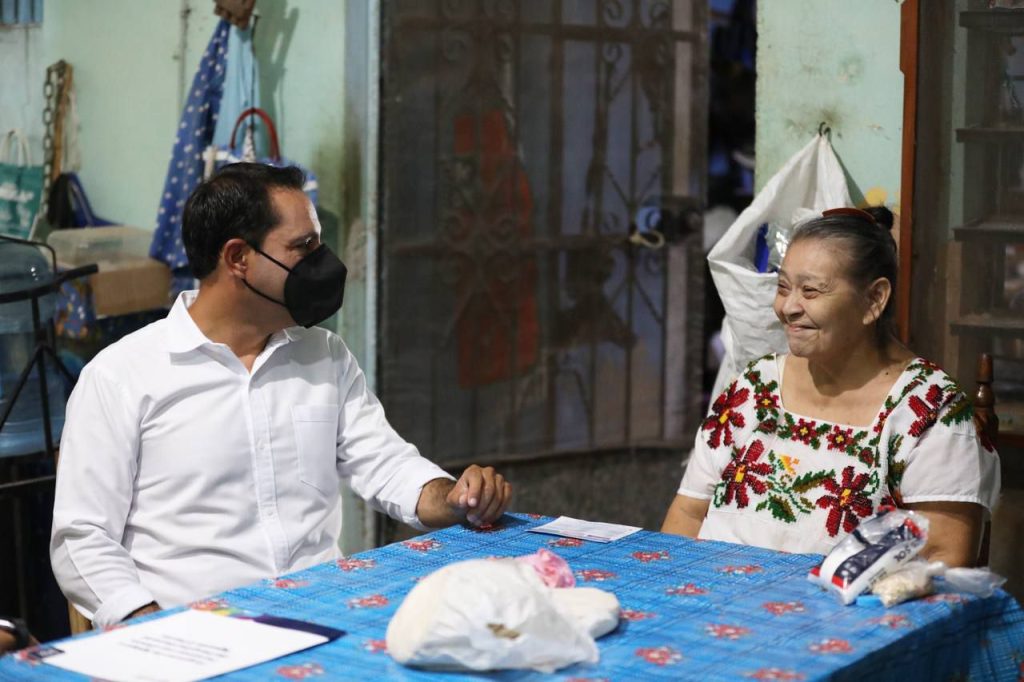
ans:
(314, 288)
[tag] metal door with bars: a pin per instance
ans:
(541, 268)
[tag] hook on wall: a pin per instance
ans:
(824, 128)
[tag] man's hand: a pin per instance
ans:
(151, 607)
(480, 496)
(7, 642)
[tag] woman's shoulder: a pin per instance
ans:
(764, 368)
(926, 395)
(923, 374)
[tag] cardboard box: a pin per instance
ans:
(129, 281)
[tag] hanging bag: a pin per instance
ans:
(810, 182)
(21, 186)
(217, 156)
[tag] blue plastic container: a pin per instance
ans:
(24, 267)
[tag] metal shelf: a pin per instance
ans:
(1000, 134)
(996, 323)
(994, 20)
(1003, 229)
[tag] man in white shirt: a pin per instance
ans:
(205, 451)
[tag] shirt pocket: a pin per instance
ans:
(316, 440)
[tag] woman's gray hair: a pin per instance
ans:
(865, 239)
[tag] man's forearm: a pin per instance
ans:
(432, 509)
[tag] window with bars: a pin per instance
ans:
(541, 269)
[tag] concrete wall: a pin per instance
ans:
(834, 61)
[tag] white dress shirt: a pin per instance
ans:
(183, 474)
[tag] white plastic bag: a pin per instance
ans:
(498, 614)
(811, 181)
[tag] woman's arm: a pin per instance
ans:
(685, 516)
(954, 531)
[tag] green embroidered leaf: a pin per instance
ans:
(780, 509)
(895, 477)
(959, 412)
(761, 505)
(812, 479)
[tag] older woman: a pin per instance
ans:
(803, 446)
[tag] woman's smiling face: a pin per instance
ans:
(822, 311)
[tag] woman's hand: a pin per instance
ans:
(685, 516)
(954, 531)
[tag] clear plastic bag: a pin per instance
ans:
(879, 546)
(920, 578)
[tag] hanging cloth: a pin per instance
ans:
(241, 83)
(185, 170)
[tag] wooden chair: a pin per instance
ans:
(987, 425)
(79, 623)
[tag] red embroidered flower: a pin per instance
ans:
(659, 655)
(566, 542)
(846, 502)
(726, 631)
(535, 516)
(375, 646)
(927, 410)
(687, 590)
(724, 416)
(371, 602)
(839, 439)
(288, 583)
(209, 605)
(648, 557)
(487, 528)
(831, 646)
(779, 608)
(804, 431)
(766, 399)
(776, 674)
(422, 545)
(867, 455)
(740, 570)
(300, 672)
(632, 616)
(591, 575)
(740, 473)
(349, 565)
(892, 620)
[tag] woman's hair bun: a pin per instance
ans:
(882, 216)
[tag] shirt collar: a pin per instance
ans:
(184, 335)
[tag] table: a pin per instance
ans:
(691, 610)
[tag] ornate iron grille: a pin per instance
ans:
(533, 154)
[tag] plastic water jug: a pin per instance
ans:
(24, 267)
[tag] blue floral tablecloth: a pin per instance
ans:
(691, 610)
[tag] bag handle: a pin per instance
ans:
(21, 140)
(275, 149)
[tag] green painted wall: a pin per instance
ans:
(128, 80)
(835, 61)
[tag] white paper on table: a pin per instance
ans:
(585, 530)
(187, 646)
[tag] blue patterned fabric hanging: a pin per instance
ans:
(185, 170)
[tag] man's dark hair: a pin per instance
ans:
(234, 203)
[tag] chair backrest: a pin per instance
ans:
(985, 420)
(986, 423)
